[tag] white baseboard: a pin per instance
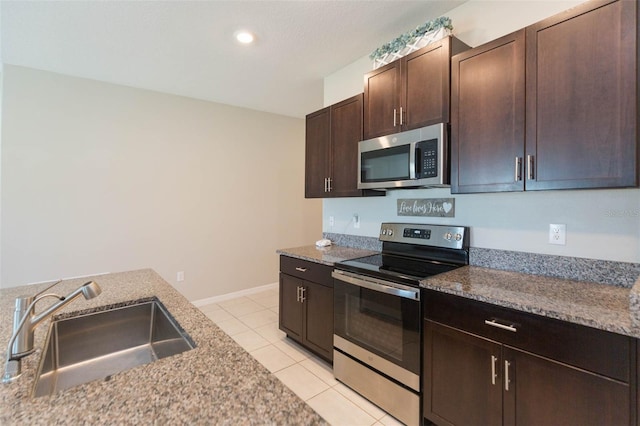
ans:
(222, 298)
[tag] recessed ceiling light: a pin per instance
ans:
(244, 37)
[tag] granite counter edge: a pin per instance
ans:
(326, 256)
(627, 325)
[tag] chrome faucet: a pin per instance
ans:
(25, 321)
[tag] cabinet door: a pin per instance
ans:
(544, 392)
(426, 86)
(462, 377)
(346, 132)
(290, 312)
(382, 101)
(319, 318)
(317, 153)
(581, 98)
(487, 117)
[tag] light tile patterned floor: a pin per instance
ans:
(252, 321)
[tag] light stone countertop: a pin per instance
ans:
(218, 382)
(600, 306)
(325, 255)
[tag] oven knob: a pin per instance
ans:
(390, 232)
(458, 237)
(384, 232)
(447, 236)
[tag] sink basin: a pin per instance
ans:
(96, 345)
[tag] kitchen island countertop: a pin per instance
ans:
(218, 382)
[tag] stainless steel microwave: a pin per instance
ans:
(415, 158)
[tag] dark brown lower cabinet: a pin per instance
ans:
(544, 392)
(291, 310)
(458, 388)
(488, 365)
(306, 307)
(470, 380)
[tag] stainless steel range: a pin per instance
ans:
(377, 313)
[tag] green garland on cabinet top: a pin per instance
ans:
(401, 42)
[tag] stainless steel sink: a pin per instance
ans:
(96, 345)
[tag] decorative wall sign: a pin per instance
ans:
(431, 207)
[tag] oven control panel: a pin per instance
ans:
(423, 234)
(430, 235)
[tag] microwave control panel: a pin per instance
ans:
(427, 159)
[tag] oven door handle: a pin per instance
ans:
(377, 285)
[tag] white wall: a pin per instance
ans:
(601, 224)
(98, 177)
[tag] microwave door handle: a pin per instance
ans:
(413, 151)
(418, 162)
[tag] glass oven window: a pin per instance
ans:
(384, 324)
(375, 320)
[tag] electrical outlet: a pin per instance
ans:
(557, 234)
(356, 220)
(180, 276)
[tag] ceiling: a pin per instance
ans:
(187, 47)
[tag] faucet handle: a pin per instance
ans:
(47, 289)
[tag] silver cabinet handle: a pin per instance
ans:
(394, 117)
(299, 269)
(298, 294)
(518, 174)
(401, 116)
(329, 185)
(494, 323)
(494, 376)
(530, 167)
(325, 184)
(302, 296)
(507, 364)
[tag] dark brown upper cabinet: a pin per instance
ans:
(582, 98)
(572, 79)
(317, 153)
(411, 92)
(331, 150)
(487, 110)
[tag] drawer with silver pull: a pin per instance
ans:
(306, 270)
(594, 350)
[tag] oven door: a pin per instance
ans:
(378, 323)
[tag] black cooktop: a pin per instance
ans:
(396, 268)
(412, 252)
